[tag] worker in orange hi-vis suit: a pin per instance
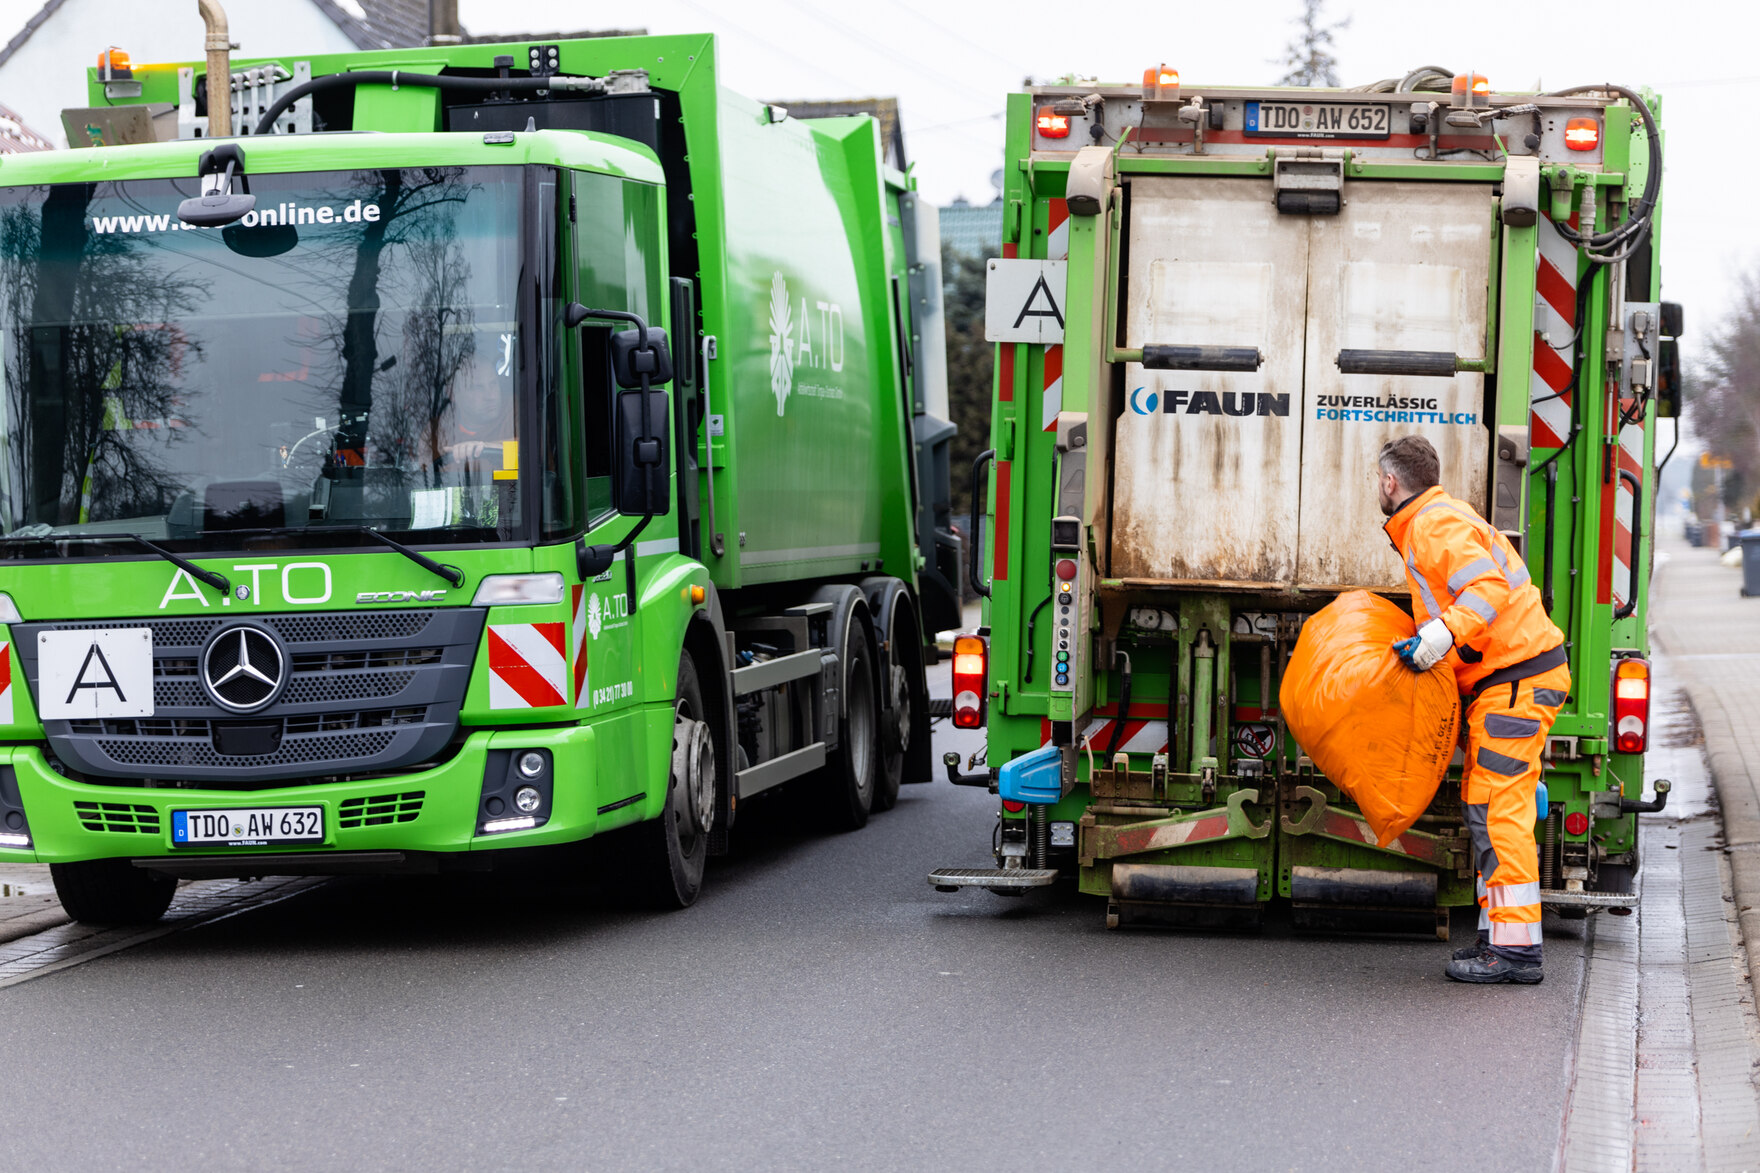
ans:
(1480, 617)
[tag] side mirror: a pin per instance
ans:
(1668, 378)
(631, 358)
(642, 485)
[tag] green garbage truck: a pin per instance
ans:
(485, 448)
(1214, 304)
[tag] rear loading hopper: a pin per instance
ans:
(1185, 471)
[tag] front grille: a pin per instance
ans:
(349, 626)
(380, 810)
(167, 756)
(366, 692)
(351, 686)
(117, 816)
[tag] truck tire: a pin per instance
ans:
(671, 852)
(112, 892)
(845, 787)
(903, 689)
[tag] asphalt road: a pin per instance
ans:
(819, 1006)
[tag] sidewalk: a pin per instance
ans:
(1712, 637)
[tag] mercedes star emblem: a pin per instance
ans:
(243, 669)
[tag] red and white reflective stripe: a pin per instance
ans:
(1057, 231)
(1513, 895)
(1625, 523)
(1051, 398)
(527, 669)
(1051, 386)
(578, 647)
(1515, 933)
(5, 684)
(1555, 285)
(1139, 736)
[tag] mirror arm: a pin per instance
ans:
(592, 561)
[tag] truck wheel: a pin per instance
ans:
(112, 892)
(903, 695)
(846, 785)
(672, 850)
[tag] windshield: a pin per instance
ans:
(347, 355)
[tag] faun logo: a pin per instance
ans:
(595, 615)
(781, 342)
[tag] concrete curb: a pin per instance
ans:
(13, 928)
(1738, 807)
(1737, 800)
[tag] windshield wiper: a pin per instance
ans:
(451, 574)
(212, 577)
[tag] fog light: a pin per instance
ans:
(527, 798)
(531, 764)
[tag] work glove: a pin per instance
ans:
(1421, 651)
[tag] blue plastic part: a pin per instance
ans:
(1033, 777)
(1541, 804)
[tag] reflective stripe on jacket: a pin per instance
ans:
(1465, 573)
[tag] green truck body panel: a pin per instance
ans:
(1136, 789)
(794, 460)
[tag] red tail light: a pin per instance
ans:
(1052, 124)
(1631, 706)
(1582, 134)
(971, 664)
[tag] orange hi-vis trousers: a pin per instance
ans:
(1506, 732)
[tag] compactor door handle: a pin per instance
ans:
(1441, 364)
(1199, 358)
(1637, 488)
(974, 553)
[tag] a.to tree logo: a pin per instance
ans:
(781, 341)
(595, 615)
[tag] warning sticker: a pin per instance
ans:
(1254, 740)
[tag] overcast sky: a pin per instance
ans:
(951, 63)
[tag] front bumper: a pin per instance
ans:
(445, 815)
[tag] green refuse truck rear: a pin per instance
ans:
(353, 522)
(1214, 304)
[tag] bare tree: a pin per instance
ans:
(1309, 61)
(1725, 395)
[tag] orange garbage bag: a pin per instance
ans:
(1380, 732)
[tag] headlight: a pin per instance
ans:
(507, 590)
(9, 609)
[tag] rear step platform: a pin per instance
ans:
(1004, 879)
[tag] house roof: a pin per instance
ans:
(370, 24)
(30, 26)
(17, 138)
(379, 24)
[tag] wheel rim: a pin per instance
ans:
(683, 820)
(901, 706)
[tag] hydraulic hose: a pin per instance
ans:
(397, 77)
(1630, 235)
(1124, 709)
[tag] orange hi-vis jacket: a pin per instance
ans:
(1465, 573)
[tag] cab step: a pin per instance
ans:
(1010, 880)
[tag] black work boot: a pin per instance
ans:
(1489, 968)
(1468, 952)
